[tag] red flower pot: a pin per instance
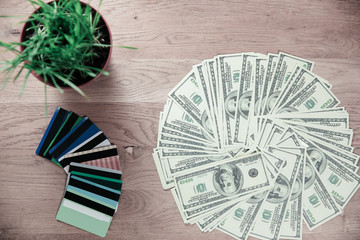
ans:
(100, 63)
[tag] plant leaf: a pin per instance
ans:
(126, 47)
(18, 74)
(76, 88)
(25, 81)
(57, 85)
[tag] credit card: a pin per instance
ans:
(56, 121)
(89, 155)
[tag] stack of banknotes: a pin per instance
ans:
(254, 145)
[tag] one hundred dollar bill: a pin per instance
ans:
(314, 96)
(335, 122)
(333, 136)
(224, 180)
(177, 165)
(339, 135)
(348, 158)
(177, 119)
(194, 216)
(175, 133)
(284, 69)
(207, 223)
(188, 95)
(239, 222)
(319, 205)
(212, 73)
(342, 149)
(166, 181)
(291, 82)
(260, 74)
(341, 182)
(205, 73)
(300, 78)
(170, 142)
(272, 213)
(244, 98)
(326, 111)
(229, 73)
(270, 71)
(260, 71)
(180, 153)
(291, 228)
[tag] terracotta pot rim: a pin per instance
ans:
(91, 80)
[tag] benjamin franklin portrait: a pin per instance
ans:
(230, 104)
(280, 191)
(228, 179)
(244, 104)
(318, 159)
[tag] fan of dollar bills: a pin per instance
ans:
(254, 144)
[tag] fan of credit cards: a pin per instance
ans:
(92, 165)
(254, 145)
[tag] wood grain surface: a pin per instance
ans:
(171, 37)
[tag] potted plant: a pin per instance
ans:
(64, 43)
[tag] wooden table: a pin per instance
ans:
(171, 37)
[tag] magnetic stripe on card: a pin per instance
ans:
(96, 142)
(81, 174)
(112, 185)
(89, 203)
(97, 172)
(92, 196)
(94, 188)
(88, 156)
(92, 151)
(85, 145)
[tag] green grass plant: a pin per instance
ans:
(63, 40)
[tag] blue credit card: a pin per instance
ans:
(56, 121)
(85, 132)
